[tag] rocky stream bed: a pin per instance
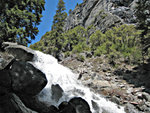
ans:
(123, 84)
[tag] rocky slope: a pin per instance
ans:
(103, 14)
(119, 82)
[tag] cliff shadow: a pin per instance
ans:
(139, 76)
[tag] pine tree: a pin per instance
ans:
(143, 23)
(57, 27)
(59, 18)
(18, 20)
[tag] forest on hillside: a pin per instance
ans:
(19, 20)
(128, 41)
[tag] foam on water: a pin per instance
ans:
(58, 74)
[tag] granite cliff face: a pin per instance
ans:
(103, 14)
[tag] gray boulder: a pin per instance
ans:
(146, 96)
(75, 105)
(33, 103)
(57, 92)
(125, 13)
(80, 105)
(18, 51)
(66, 107)
(5, 60)
(95, 106)
(129, 108)
(26, 79)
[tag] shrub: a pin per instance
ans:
(67, 54)
(77, 49)
(80, 57)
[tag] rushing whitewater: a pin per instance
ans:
(58, 74)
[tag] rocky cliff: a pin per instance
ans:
(103, 14)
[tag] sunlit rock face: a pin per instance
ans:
(103, 14)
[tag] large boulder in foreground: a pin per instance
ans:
(26, 79)
(11, 103)
(5, 79)
(36, 105)
(18, 51)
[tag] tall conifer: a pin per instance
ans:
(57, 27)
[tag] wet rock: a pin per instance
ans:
(95, 106)
(53, 109)
(26, 78)
(61, 56)
(18, 51)
(80, 105)
(66, 107)
(57, 92)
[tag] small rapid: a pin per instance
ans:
(58, 74)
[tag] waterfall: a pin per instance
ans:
(58, 74)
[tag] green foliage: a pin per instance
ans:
(59, 18)
(96, 39)
(57, 29)
(52, 41)
(18, 20)
(100, 50)
(117, 42)
(78, 48)
(80, 57)
(73, 37)
(67, 54)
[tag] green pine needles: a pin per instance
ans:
(115, 43)
(18, 20)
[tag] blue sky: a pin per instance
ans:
(50, 10)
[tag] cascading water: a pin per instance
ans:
(58, 74)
